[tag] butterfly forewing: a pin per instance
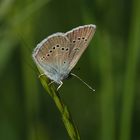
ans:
(52, 55)
(79, 40)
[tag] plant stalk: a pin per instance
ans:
(66, 117)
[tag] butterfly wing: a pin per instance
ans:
(79, 39)
(52, 56)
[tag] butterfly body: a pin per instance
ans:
(57, 55)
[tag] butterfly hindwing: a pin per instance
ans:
(79, 39)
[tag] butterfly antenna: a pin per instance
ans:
(82, 81)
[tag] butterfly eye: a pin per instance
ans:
(62, 49)
(50, 51)
(83, 38)
(54, 48)
(48, 55)
(73, 41)
(64, 62)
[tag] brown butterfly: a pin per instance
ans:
(57, 54)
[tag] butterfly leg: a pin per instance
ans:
(50, 83)
(41, 75)
(61, 83)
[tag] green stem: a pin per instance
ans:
(131, 74)
(66, 117)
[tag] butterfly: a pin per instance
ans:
(57, 54)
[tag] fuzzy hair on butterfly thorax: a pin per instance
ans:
(57, 54)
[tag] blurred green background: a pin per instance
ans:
(110, 64)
